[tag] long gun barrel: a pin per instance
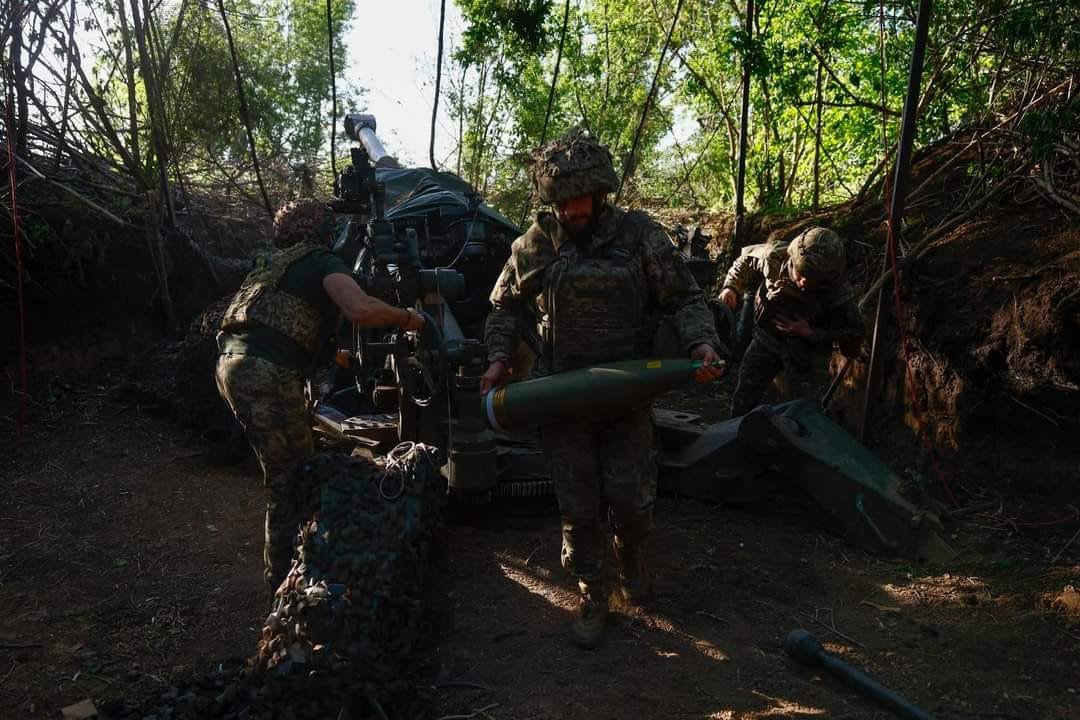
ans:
(805, 648)
(592, 393)
(362, 128)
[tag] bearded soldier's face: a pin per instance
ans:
(575, 213)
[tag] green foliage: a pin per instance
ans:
(984, 60)
(282, 48)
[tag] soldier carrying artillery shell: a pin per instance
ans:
(601, 278)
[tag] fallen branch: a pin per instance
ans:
(1062, 550)
(74, 193)
(475, 713)
(1036, 411)
(919, 248)
(1053, 194)
(709, 615)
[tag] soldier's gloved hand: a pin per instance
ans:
(711, 371)
(497, 374)
(729, 298)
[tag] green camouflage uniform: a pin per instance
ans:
(598, 299)
(268, 337)
(830, 308)
(268, 400)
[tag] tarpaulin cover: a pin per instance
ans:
(420, 191)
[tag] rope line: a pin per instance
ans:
(550, 103)
(244, 113)
(629, 167)
(333, 88)
(24, 392)
(438, 85)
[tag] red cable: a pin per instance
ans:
(20, 418)
(916, 409)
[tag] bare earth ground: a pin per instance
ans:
(127, 559)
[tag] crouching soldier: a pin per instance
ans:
(803, 306)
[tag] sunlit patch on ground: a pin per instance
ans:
(779, 708)
(1065, 601)
(536, 580)
(942, 591)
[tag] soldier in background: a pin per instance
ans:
(804, 305)
(600, 277)
(268, 345)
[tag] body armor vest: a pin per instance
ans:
(593, 306)
(259, 302)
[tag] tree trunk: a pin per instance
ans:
(18, 76)
(461, 119)
(816, 203)
(496, 107)
(62, 140)
(474, 171)
(744, 134)
(155, 108)
(129, 80)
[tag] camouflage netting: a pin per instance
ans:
(346, 623)
(571, 166)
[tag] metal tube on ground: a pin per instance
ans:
(804, 647)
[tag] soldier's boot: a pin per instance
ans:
(587, 630)
(635, 580)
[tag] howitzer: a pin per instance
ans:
(422, 238)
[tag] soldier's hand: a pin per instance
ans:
(416, 320)
(729, 298)
(712, 370)
(797, 326)
(497, 374)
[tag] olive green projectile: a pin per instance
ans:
(592, 393)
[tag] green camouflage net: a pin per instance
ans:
(346, 621)
(572, 166)
(302, 220)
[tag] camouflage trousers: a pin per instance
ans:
(600, 469)
(269, 402)
(757, 369)
(803, 372)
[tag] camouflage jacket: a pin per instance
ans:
(831, 310)
(667, 287)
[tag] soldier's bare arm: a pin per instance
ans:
(365, 310)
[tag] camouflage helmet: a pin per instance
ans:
(305, 219)
(817, 253)
(572, 166)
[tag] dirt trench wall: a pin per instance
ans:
(993, 315)
(91, 292)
